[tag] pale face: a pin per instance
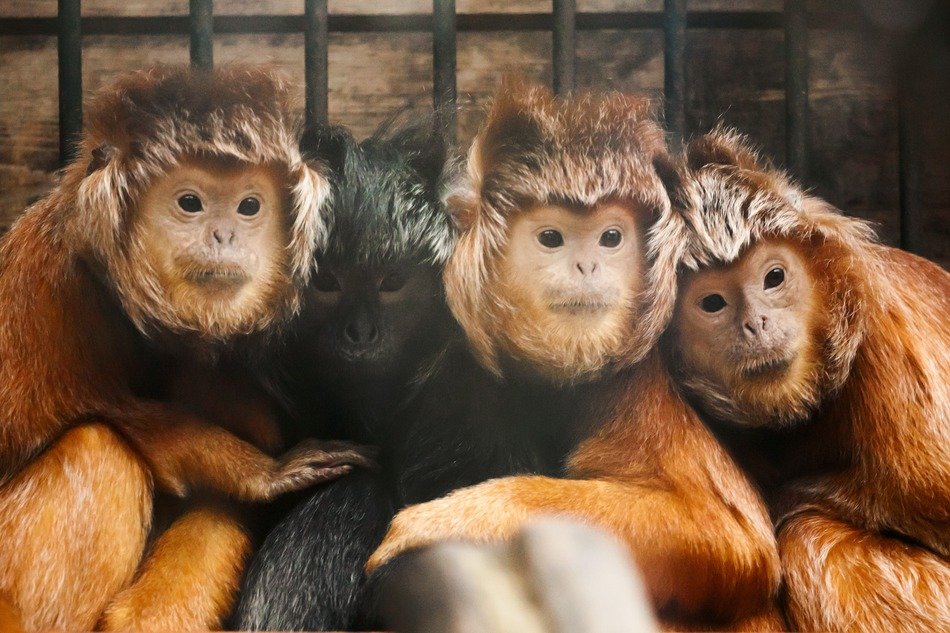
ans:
(746, 331)
(571, 277)
(215, 234)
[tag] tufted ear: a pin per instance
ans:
(722, 146)
(327, 144)
(103, 195)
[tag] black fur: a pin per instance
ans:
(440, 419)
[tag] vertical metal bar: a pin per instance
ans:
(565, 31)
(316, 61)
(796, 87)
(908, 171)
(674, 67)
(202, 32)
(69, 48)
(443, 65)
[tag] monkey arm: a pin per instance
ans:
(186, 452)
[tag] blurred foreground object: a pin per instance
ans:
(556, 576)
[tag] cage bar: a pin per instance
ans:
(69, 50)
(565, 45)
(908, 153)
(674, 67)
(201, 25)
(443, 64)
(316, 61)
(796, 87)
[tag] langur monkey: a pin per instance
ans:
(179, 236)
(564, 275)
(823, 359)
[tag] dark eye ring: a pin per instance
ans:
(712, 303)
(249, 206)
(611, 238)
(392, 282)
(549, 238)
(325, 281)
(774, 278)
(190, 203)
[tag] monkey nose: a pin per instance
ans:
(586, 268)
(360, 332)
(223, 236)
(755, 325)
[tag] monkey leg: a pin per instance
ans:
(841, 578)
(697, 560)
(73, 526)
(189, 580)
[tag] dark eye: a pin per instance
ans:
(610, 238)
(190, 203)
(550, 238)
(712, 303)
(249, 206)
(325, 281)
(392, 283)
(774, 278)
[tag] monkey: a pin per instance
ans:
(823, 357)
(181, 233)
(563, 275)
(376, 357)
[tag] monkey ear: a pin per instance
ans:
(722, 147)
(671, 175)
(327, 144)
(100, 156)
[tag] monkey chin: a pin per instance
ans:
(778, 391)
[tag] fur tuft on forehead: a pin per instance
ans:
(731, 199)
(149, 120)
(537, 148)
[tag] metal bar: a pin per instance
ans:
(69, 49)
(443, 65)
(908, 157)
(674, 67)
(202, 33)
(796, 87)
(421, 23)
(565, 30)
(316, 61)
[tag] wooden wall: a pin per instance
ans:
(733, 75)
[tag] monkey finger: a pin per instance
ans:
(322, 454)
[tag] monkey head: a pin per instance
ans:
(765, 324)
(375, 307)
(553, 273)
(194, 200)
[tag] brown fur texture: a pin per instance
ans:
(79, 447)
(860, 470)
(648, 471)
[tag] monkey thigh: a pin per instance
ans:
(308, 574)
(842, 578)
(190, 577)
(73, 526)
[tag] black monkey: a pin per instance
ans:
(377, 356)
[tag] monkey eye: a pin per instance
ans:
(325, 281)
(190, 203)
(774, 278)
(610, 238)
(392, 282)
(712, 303)
(549, 238)
(249, 206)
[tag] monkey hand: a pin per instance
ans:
(313, 462)
(485, 512)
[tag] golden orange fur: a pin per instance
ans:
(859, 467)
(648, 471)
(85, 325)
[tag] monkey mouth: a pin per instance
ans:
(217, 276)
(580, 307)
(769, 367)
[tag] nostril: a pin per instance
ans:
(765, 322)
(580, 268)
(357, 333)
(750, 327)
(218, 237)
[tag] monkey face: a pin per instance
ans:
(569, 278)
(745, 331)
(213, 236)
(371, 321)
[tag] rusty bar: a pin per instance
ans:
(674, 67)
(443, 64)
(69, 49)
(202, 34)
(316, 61)
(564, 45)
(796, 87)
